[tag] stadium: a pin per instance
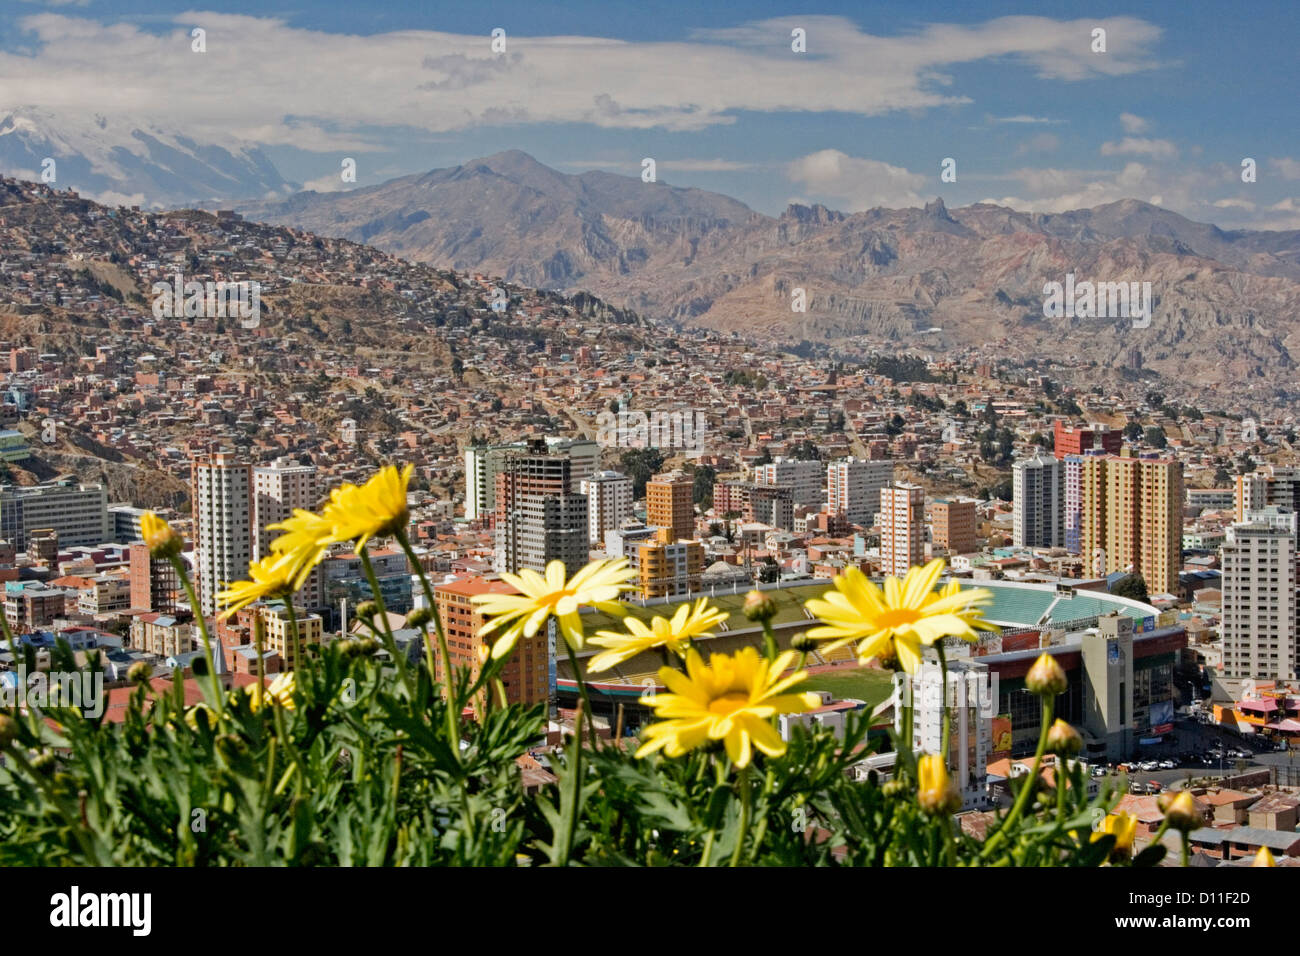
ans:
(1120, 656)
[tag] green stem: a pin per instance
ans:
(1049, 705)
(761, 831)
(218, 699)
(770, 649)
(293, 628)
(575, 789)
(745, 799)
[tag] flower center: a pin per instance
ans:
(898, 617)
(728, 703)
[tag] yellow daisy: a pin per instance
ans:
(1124, 827)
(162, 540)
(280, 692)
(895, 622)
(306, 537)
(275, 576)
(731, 698)
(597, 585)
(374, 510)
(689, 621)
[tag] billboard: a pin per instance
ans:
(1162, 712)
(1001, 737)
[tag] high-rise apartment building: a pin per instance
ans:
(1259, 620)
(670, 503)
(952, 525)
(537, 519)
(1038, 505)
(221, 487)
(484, 462)
(609, 502)
(278, 489)
(1133, 519)
(853, 488)
(78, 514)
(902, 527)
(805, 479)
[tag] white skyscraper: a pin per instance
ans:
(902, 527)
(609, 502)
(1038, 488)
(223, 516)
(853, 487)
(1259, 597)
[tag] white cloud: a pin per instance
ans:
(1132, 124)
(264, 79)
(1136, 146)
(855, 183)
(1285, 167)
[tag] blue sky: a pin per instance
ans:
(886, 91)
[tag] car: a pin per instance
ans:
(1167, 765)
(1154, 786)
(1149, 765)
(1098, 771)
(1138, 789)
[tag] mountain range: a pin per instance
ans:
(1226, 303)
(933, 279)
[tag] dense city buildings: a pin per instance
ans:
(666, 567)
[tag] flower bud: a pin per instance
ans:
(1124, 828)
(759, 606)
(1264, 858)
(1063, 739)
(1182, 814)
(366, 610)
(892, 788)
(803, 643)
(1045, 678)
(139, 672)
(419, 617)
(162, 540)
(935, 791)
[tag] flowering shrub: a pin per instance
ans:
(361, 759)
